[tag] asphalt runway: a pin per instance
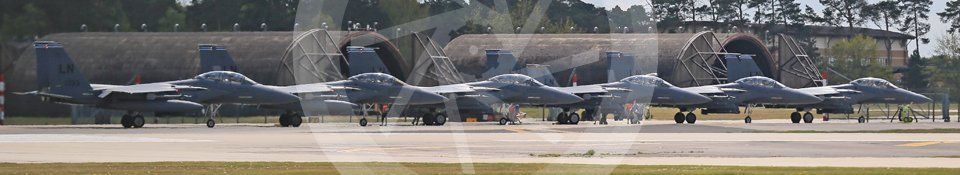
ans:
(764, 143)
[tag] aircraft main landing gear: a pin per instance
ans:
(568, 118)
(131, 120)
(678, 117)
(807, 117)
(691, 118)
(440, 119)
(795, 117)
(288, 119)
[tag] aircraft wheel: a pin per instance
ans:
(295, 120)
(363, 122)
(138, 121)
(427, 119)
(691, 118)
(562, 118)
(617, 117)
(795, 117)
(678, 117)
(807, 117)
(861, 119)
(125, 121)
(440, 119)
(574, 118)
(284, 120)
(211, 123)
(748, 120)
(503, 121)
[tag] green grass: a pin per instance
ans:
(426, 168)
(938, 130)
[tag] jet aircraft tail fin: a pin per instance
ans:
(56, 72)
(500, 62)
(364, 60)
(741, 66)
(619, 65)
(216, 58)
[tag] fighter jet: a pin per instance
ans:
(841, 98)
(611, 97)
(331, 97)
(59, 81)
(747, 92)
(501, 89)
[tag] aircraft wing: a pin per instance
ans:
(818, 91)
(453, 88)
(588, 89)
(704, 90)
(38, 93)
(143, 88)
(306, 88)
(102, 86)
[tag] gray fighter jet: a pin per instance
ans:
(60, 82)
(839, 99)
(501, 89)
(747, 92)
(611, 97)
(331, 97)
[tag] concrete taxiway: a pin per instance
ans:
(653, 143)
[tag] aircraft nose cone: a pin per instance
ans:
(917, 98)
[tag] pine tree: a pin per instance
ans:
(951, 15)
(916, 78)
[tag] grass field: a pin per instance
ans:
(426, 168)
(938, 130)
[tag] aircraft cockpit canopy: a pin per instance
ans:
(647, 81)
(226, 76)
(761, 82)
(516, 79)
(874, 82)
(377, 78)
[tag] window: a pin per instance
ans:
(225, 76)
(647, 81)
(377, 78)
(516, 79)
(874, 82)
(761, 82)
